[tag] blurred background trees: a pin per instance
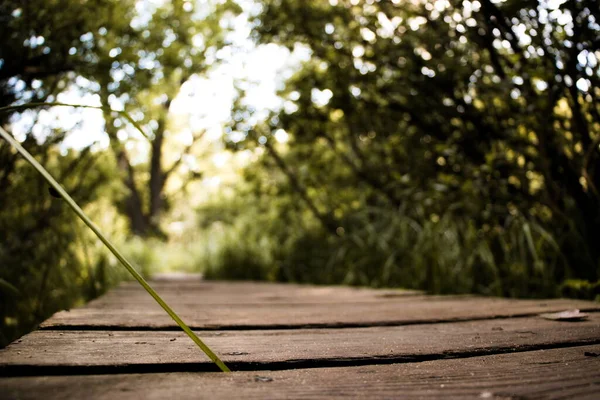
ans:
(130, 56)
(450, 146)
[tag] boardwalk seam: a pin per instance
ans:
(273, 327)
(61, 370)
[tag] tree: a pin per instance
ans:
(42, 41)
(48, 263)
(143, 68)
(134, 59)
(483, 110)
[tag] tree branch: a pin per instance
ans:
(186, 151)
(326, 220)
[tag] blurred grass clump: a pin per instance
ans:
(383, 248)
(580, 289)
(154, 256)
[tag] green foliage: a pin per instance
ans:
(446, 146)
(142, 63)
(581, 289)
(151, 256)
(49, 262)
(236, 259)
(45, 254)
(108, 43)
(454, 146)
(235, 246)
(382, 248)
(143, 254)
(110, 246)
(41, 41)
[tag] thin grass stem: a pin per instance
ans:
(122, 113)
(54, 184)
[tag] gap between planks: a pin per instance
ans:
(288, 328)
(285, 315)
(549, 374)
(162, 368)
(279, 327)
(78, 352)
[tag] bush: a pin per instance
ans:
(383, 248)
(581, 289)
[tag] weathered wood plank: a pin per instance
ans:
(207, 292)
(173, 351)
(230, 305)
(550, 374)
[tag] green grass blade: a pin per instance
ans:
(7, 136)
(8, 288)
(530, 243)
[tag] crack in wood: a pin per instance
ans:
(16, 370)
(269, 327)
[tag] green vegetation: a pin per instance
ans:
(57, 191)
(451, 146)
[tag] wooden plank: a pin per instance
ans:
(550, 374)
(207, 292)
(232, 306)
(70, 351)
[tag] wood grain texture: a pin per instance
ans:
(227, 305)
(173, 351)
(550, 374)
(382, 343)
(212, 292)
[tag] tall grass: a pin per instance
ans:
(391, 248)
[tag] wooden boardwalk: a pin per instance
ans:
(294, 341)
